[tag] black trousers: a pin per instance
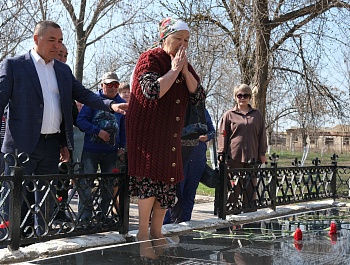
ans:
(43, 160)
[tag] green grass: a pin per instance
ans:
(204, 190)
(285, 160)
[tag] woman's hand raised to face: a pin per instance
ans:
(184, 70)
(179, 60)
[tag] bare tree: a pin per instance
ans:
(207, 53)
(16, 25)
(95, 22)
(272, 45)
(263, 31)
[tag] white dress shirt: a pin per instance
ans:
(52, 117)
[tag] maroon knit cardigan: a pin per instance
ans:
(153, 126)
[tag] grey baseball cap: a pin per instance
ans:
(109, 77)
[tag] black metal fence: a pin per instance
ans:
(239, 190)
(248, 189)
(24, 222)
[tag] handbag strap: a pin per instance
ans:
(192, 115)
(200, 107)
(214, 151)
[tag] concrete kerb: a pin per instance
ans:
(70, 245)
(260, 215)
(60, 246)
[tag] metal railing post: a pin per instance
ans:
(334, 159)
(255, 202)
(296, 162)
(124, 199)
(316, 162)
(15, 207)
(221, 194)
(273, 185)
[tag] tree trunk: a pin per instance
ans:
(79, 63)
(80, 53)
(260, 80)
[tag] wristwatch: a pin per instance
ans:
(110, 106)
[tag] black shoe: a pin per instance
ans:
(61, 216)
(252, 226)
(85, 223)
(99, 217)
(250, 210)
(67, 219)
(223, 229)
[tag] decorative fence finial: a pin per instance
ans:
(334, 158)
(296, 162)
(316, 161)
(70, 168)
(16, 160)
(274, 157)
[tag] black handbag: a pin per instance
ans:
(210, 176)
(195, 125)
(193, 131)
(195, 122)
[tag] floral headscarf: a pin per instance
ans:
(169, 26)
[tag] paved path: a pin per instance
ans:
(204, 209)
(202, 218)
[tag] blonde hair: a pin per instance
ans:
(242, 88)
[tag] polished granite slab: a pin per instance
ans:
(265, 242)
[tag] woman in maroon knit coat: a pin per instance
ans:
(163, 83)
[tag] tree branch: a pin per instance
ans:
(70, 9)
(317, 8)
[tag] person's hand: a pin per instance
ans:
(178, 61)
(221, 157)
(184, 70)
(64, 154)
(120, 107)
(120, 154)
(203, 138)
(263, 159)
(105, 136)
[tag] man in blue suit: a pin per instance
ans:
(39, 91)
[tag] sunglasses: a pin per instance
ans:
(110, 85)
(240, 96)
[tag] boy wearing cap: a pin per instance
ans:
(104, 141)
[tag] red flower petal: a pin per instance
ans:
(333, 228)
(4, 225)
(298, 234)
(298, 246)
(334, 238)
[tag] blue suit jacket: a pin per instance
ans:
(20, 88)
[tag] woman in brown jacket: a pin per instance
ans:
(163, 82)
(242, 138)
